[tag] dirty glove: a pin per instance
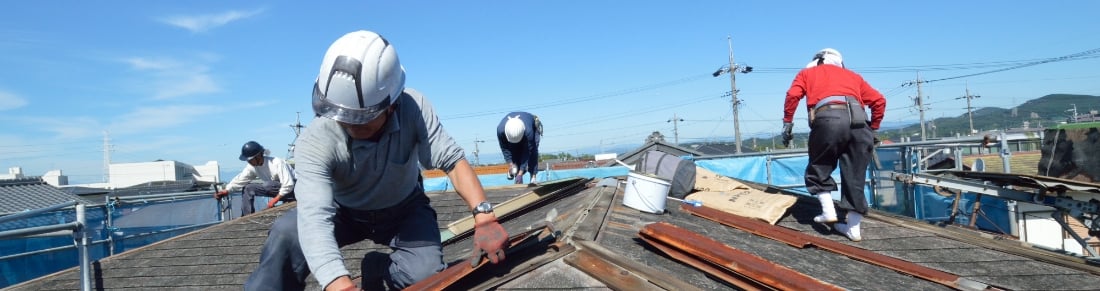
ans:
(220, 193)
(787, 135)
(273, 201)
(874, 133)
(489, 239)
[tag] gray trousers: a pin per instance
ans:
(833, 141)
(248, 195)
(409, 228)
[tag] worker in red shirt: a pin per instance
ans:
(840, 132)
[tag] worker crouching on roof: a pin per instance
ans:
(839, 133)
(276, 176)
(358, 164)
(519, 134)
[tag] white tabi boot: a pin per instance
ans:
(851, 226)
(828, 212)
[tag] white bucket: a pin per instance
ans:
(645, 193)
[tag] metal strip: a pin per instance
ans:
(452, 274)
(743, 263)
(613, 276)
(664, 280)
(781, 233)
(682, 256)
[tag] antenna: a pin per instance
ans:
(297, 128)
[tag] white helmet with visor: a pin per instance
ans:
(360, 77)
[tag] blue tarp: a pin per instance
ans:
(444, 183)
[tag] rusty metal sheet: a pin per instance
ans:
(743, 263)
(610, 274)
(781, 233)
(554, 251)
(452, 274)
(664, 280)
(712, 270)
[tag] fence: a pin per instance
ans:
(40, 242)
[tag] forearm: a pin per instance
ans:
(468, 187)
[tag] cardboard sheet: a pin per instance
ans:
(749, 203)
(705, 180)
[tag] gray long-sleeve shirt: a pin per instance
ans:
(335, 170)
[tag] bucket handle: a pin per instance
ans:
(635, 183)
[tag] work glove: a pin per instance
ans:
(874, 133)
(273, 201)
(512, 172)
(220, 193)
(787, 135)
(489, 239)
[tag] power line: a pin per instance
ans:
(580, 99)
(1070, 57)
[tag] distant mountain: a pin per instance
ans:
(1045, 111)
(888, 125)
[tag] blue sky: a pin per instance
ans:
(193, 81)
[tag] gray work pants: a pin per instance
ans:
(409, 228)
(833, 141)
(248, 196)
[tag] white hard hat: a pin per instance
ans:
(513, 129)
(827, 56)
(360, 77)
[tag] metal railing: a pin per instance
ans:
(80, 235)
(81, 228)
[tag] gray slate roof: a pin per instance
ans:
(222, 256)
(20, 195)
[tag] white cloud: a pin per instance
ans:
(171, 78)
(205, 22)
(145, 119)
(66, 128)
(10, 101)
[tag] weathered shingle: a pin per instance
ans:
(31, 193)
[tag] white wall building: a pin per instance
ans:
(130, 174)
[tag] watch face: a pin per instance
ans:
(484, 207)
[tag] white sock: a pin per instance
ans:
(852, 222)
(828, 212)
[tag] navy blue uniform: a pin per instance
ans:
(525, 153)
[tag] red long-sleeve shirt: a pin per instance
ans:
(822, 81)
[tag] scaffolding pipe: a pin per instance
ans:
(43, 251)
(81, 237)
(165, 195)
(38, 230)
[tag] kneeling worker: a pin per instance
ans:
(278, 179)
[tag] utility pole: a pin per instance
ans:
(477, 151)
(675, 128)
(920, 105)
(733, 69)
(733, 92)
(1074, 110)
(969, 114)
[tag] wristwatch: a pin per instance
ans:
(483, 207)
